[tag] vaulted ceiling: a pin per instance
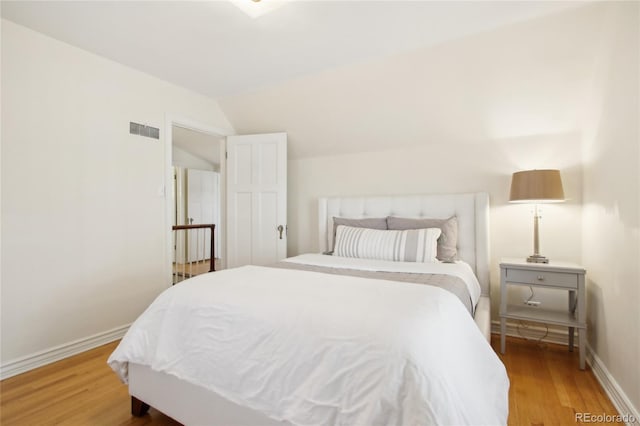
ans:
(214, 48)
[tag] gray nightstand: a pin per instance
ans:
(555, 275)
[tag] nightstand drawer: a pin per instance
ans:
(542, 278)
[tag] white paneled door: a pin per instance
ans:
(256, 199)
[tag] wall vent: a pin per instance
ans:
(142, 130)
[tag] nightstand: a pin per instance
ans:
(553, 275)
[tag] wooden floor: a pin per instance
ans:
(81, 390)
(182, 271)
(547, 388)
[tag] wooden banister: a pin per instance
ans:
(212, 265)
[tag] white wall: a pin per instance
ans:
(83, 219)
(457, 117)
(611, 219)
(184, 159)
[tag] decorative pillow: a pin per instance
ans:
(416, 245)
(368, 222)
(448, 242)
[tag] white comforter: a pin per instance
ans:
(458, 269)
(317, 349)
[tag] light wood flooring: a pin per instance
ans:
(547, 388)
(182, 271)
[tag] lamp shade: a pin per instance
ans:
(536, 186)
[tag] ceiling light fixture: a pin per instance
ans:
(257, 8)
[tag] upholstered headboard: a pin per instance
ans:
(471, 210)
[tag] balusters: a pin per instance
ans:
(183, 235)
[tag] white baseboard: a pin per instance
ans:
(630, 414)
(560, 335)
(38, 359)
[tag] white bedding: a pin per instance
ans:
(313, 349)
(458, 269)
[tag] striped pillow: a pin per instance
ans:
(411, 245)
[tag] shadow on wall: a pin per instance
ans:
(596, 314)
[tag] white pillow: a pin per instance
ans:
(411, 245)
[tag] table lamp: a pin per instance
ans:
(536, 187)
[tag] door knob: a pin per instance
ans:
(280, 229)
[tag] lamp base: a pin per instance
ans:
(536, 258)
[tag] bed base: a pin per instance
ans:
(187, 403)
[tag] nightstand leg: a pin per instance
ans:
(571, 333)
(503, 332)
(572, 310)
(582, 336)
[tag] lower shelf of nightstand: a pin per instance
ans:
(528, 313)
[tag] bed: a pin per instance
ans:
(312, 344)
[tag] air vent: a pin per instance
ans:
(142, 130)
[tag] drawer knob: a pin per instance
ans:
(540, 277)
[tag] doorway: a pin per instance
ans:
(195, 196)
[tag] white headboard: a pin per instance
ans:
(471, 210)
